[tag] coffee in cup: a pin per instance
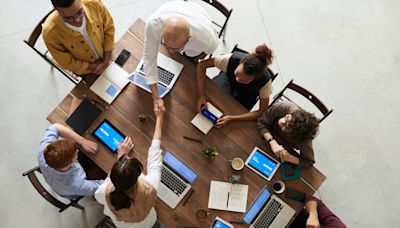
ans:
(201, 214)
(237, 164)
(278, 186)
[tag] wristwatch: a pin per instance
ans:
(270, 139)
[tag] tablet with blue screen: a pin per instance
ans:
(262, 163)
(108, 135)
(220, 223)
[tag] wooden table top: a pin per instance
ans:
(235, 140)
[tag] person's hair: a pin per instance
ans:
(62, 3)
(60, 153)
(124, 175)
(254, 64)
(303, 126)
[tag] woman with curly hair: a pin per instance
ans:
(244, 76)
(294, 125)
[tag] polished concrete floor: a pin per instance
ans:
(346, 52)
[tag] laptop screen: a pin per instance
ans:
(257, 206)
(180, 168)
(139, 80)
(262, 163)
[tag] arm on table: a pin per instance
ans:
(201, 82)
(68, 133)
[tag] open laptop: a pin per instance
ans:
(176, 180)
(268, 211)
(168, 72)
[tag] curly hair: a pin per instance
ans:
(303, 126)
(254, 64)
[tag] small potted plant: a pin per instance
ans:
(210, 152)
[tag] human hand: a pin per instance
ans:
(312, 221)
(201, 102)
(158, 106)
(283, 155)
(100, 67)
(125, 147)
(223, 121)
(89, 146)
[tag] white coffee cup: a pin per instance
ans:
(278, 186)
(237, 164)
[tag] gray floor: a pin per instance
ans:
(347, 52)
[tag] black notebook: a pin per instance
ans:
(83, 116)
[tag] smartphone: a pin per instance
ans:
(209, 115)
(295, 195)
(123, 57)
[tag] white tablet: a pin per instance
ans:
(220, 223)
(262, 163)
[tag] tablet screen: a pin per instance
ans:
(219, 223)
(108, 135)
(262, 164)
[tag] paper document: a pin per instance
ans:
(110, 83)
(202, 122)
(227, 196)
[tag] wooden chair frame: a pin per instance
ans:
(31, 41)
(308, 95)
(46, 195)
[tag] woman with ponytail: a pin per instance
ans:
(127, 194)
(244, 76)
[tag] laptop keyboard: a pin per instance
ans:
(172, 182)
(164, 75)
(269, 214)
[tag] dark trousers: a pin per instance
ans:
(93, 172)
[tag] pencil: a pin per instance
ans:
(193, 139)
(190, 193)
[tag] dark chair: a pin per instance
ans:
(45, 194)
(31, 42)
(224, 11)
(273, 75)
(306, 94)
(105, 223)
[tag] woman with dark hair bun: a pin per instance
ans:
(128, 195)
(244, 76)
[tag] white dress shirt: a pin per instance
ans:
(203, 39)
(153, 177)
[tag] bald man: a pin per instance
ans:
(182, 27)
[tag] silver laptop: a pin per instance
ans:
(268, 211)
(176, 180)
(168, 72)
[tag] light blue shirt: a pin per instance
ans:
(71, 183)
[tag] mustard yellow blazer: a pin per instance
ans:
(69, 48)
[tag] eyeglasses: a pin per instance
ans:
(174, 49)
(78, 15)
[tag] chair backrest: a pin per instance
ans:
(31, 42)
(224, 11)
(46, 195)
(237, 48)
(306, 94)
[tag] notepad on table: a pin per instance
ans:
(110, 83)
(227, 196)
(203, 123)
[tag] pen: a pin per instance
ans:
(189, 138)
(227, 200)
(190, 193)
(237, 222)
